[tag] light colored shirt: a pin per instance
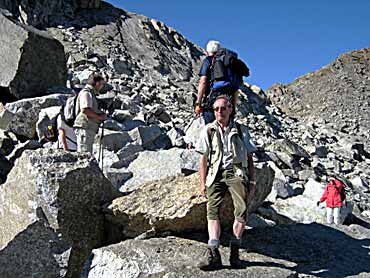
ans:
(71, 137)
(85, 99)
(203, 144)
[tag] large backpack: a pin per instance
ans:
(69, 110)
(227, 70)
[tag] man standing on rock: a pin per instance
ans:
(89, 116)
(226, 164)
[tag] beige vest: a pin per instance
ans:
(82, 121)
(240, 154)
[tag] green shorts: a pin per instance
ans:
(226, 180)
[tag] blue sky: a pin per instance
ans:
(279, 40)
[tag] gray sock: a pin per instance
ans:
(215, 243)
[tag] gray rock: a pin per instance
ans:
(122, 115)
(145, 135)
(156, 165)
(281, 187)
(5, 117)
(33, 61)
(360, 184)
(117, 176)
(20, 148)
(305, 175)
(192, 130)
(114, 140)
(26, 113)
(7, 143)
(289, 147)
(176, 137)
(129, 150)
(43, 208)
(321, 151)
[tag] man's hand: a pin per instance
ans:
(203, 190)
(198, 109)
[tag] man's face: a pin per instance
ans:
(222, 110)
(99, 85)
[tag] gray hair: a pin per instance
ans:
(224, 97)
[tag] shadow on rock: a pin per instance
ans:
(316, 249)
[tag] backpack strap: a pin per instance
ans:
(238, 127)
(210, 133)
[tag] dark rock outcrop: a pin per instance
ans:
(50, 214)
(32, 61)
(41, 13)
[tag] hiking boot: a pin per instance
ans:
(213, 260)
(234, 256)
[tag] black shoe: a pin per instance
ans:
(235, 262)
(213, 260)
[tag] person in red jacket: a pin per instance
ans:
(333, 200)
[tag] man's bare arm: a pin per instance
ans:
(62, 138)
(201, 88)
(203, 174)
(92, 115)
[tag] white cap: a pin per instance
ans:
(213, 46)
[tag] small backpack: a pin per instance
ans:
(342, 192)
(50, 133)
(227, 70)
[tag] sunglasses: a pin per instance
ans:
(220, 108)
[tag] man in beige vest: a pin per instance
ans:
(89, 116)
(226, 164)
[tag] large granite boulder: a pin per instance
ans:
(175, 205)
(50, 216)
(26, 113)
(265, 253)
(156, 165)
(172, 257)
(32, 61)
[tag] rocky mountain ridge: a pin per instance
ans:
(338, 93)
(152, 76)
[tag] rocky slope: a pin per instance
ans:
(338, 93)
(151, 72)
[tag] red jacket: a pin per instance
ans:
(332, 194)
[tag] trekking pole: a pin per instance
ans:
(101, 150)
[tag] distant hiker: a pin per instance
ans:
(221, 73)
(226, 164)
(334, 197)
(67, 138)
(89, 116)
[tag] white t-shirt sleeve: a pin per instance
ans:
(85, 99)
